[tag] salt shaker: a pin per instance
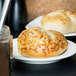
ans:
(5, 39)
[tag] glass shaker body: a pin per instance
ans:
(5, 51)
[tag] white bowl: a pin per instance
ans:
(71, 50)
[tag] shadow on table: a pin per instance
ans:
(65, 67)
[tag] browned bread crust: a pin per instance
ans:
(37, 42)
(62, 21)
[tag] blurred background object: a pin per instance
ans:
(37, 8)
(1, 5)
(17, 17)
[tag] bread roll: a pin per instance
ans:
(62, 21)
(39, 43)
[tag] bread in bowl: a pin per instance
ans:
(61, 20)
(39, 43)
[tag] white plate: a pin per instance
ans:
(37, 22)
(71, 50)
